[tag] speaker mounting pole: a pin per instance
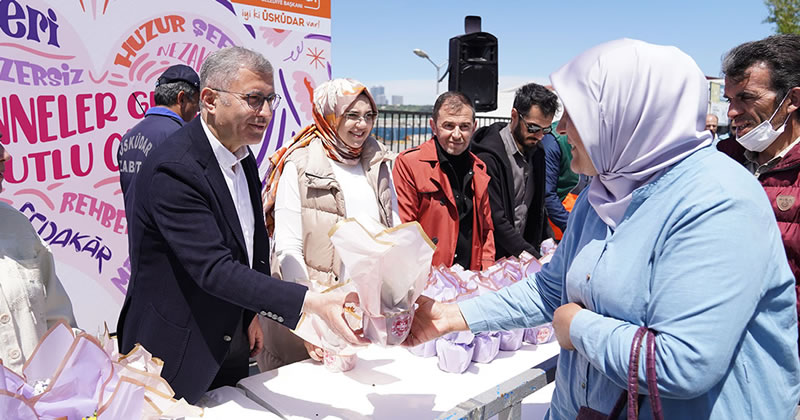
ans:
(423, 54)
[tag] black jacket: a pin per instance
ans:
(191, 285)
(488, 145)
(139, 141)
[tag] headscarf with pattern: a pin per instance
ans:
(331, 100)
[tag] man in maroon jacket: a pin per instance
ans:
(762, 82)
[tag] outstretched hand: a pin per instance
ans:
(434, 319)
(330, 308)
(316, 353)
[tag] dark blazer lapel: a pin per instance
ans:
(213, 173)
(260, 240)
(250, 168)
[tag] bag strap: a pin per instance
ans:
(632, 393)
(652, 380)
(633, 373)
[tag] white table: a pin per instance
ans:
(387, 383)
(231, 403)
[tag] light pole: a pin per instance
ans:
(423, 54)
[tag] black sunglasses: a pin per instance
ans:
(534, 128)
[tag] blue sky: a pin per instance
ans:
(373, 39)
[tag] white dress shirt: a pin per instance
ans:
(232, 171)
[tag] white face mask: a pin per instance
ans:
(760, 137)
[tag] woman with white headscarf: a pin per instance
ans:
(333, 169)
(670, 235)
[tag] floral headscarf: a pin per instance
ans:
(331, 100)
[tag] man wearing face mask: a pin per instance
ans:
(762, 83)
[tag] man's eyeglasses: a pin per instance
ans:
(534, 128)
(255, 100)
(355, 117)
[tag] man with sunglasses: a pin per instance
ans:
(198, 243)
(516, 164)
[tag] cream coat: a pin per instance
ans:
(321, 207)
(32, 298)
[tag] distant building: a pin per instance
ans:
(379, 95)
(397, 100)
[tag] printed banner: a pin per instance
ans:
(73, 74)
(299, 15)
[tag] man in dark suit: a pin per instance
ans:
(198, 244)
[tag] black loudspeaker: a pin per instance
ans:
(473, 68)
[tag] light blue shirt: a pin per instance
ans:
(697, 258)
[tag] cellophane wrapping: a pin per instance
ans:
(453, 284)
(389, 269)
(539, 335)
(314, 330)
(77, 375)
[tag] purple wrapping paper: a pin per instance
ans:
(454, 357)
(455, 284)
(11, 406)
(487, 345)
(548, 246)
(427, 349)
(530, 335)
(451, 284)
(530, 266)
(84, 375)
(14, 408)
(461, 337)
(539, 335)
(511, 340)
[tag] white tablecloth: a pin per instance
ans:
(231, 403)
(387, 383)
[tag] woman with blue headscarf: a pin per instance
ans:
(670, 235)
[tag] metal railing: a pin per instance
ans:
(505, 399)
(400, 130)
